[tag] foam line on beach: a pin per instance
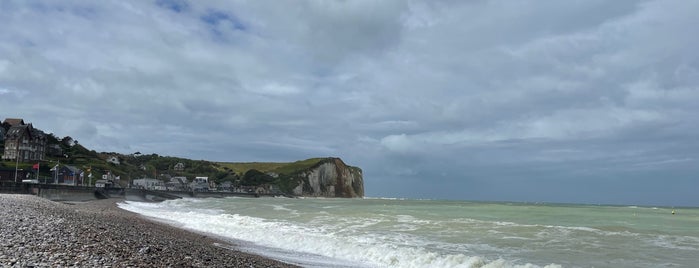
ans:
(43, 233)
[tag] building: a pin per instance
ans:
(201, 180)
(225, 186)
(14, 121)
(149, 184)
(177, 184)
(103, 184)
(200, 184)
(179, 166)
(181, 180)
(68, 175)
(23, 142)
(8, 174)
(54, 150)
(113, 159)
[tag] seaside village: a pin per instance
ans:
(31, 151)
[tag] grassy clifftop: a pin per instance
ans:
(285, 175)
(127, 167)
(274, 167)
(327, 177)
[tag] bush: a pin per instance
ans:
(255, 177)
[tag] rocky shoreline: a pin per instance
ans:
(36, 232)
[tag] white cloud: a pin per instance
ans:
(380, 82)
(276, 89)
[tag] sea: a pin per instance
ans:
(385, 232)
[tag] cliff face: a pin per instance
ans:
(330, 178)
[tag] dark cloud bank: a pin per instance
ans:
(541, 101)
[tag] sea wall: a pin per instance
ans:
(67, 194)
(56, 192)
(143, 195)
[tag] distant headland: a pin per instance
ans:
(32, 156)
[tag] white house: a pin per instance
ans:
(200, 184)
(179, 166)
(150, 184)
(113, 160)
(103, 183)
(177, 184)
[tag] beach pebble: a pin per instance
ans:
(40, 233)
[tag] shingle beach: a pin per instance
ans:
(36, 232)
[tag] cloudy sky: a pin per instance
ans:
(540, 101)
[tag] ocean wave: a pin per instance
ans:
(363, 250)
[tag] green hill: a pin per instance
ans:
(285, 176)
(275, 167)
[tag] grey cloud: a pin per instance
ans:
(509, 101)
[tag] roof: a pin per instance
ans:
(182, 180)
(72, 169)
(20, 130)
(17, 131)
(14, 121)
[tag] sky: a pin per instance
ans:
(536, 101)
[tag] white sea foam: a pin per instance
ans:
(412, 233)
(358, 249)
(677, 242)
(384, 198)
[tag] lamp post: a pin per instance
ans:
(17, 162)
(55, 172)
(17, 154)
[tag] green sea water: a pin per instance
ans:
(432, 233)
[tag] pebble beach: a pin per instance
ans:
(37, 232)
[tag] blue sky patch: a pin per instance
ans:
(216, 17)
(174, 5)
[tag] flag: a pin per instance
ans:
(36, 166)
(54, 168)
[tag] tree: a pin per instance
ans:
(6, 126)
(52, 139)
(255, 177)
(67, 141)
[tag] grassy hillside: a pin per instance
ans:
(275, 167)
(130, 167)
(137, 165)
